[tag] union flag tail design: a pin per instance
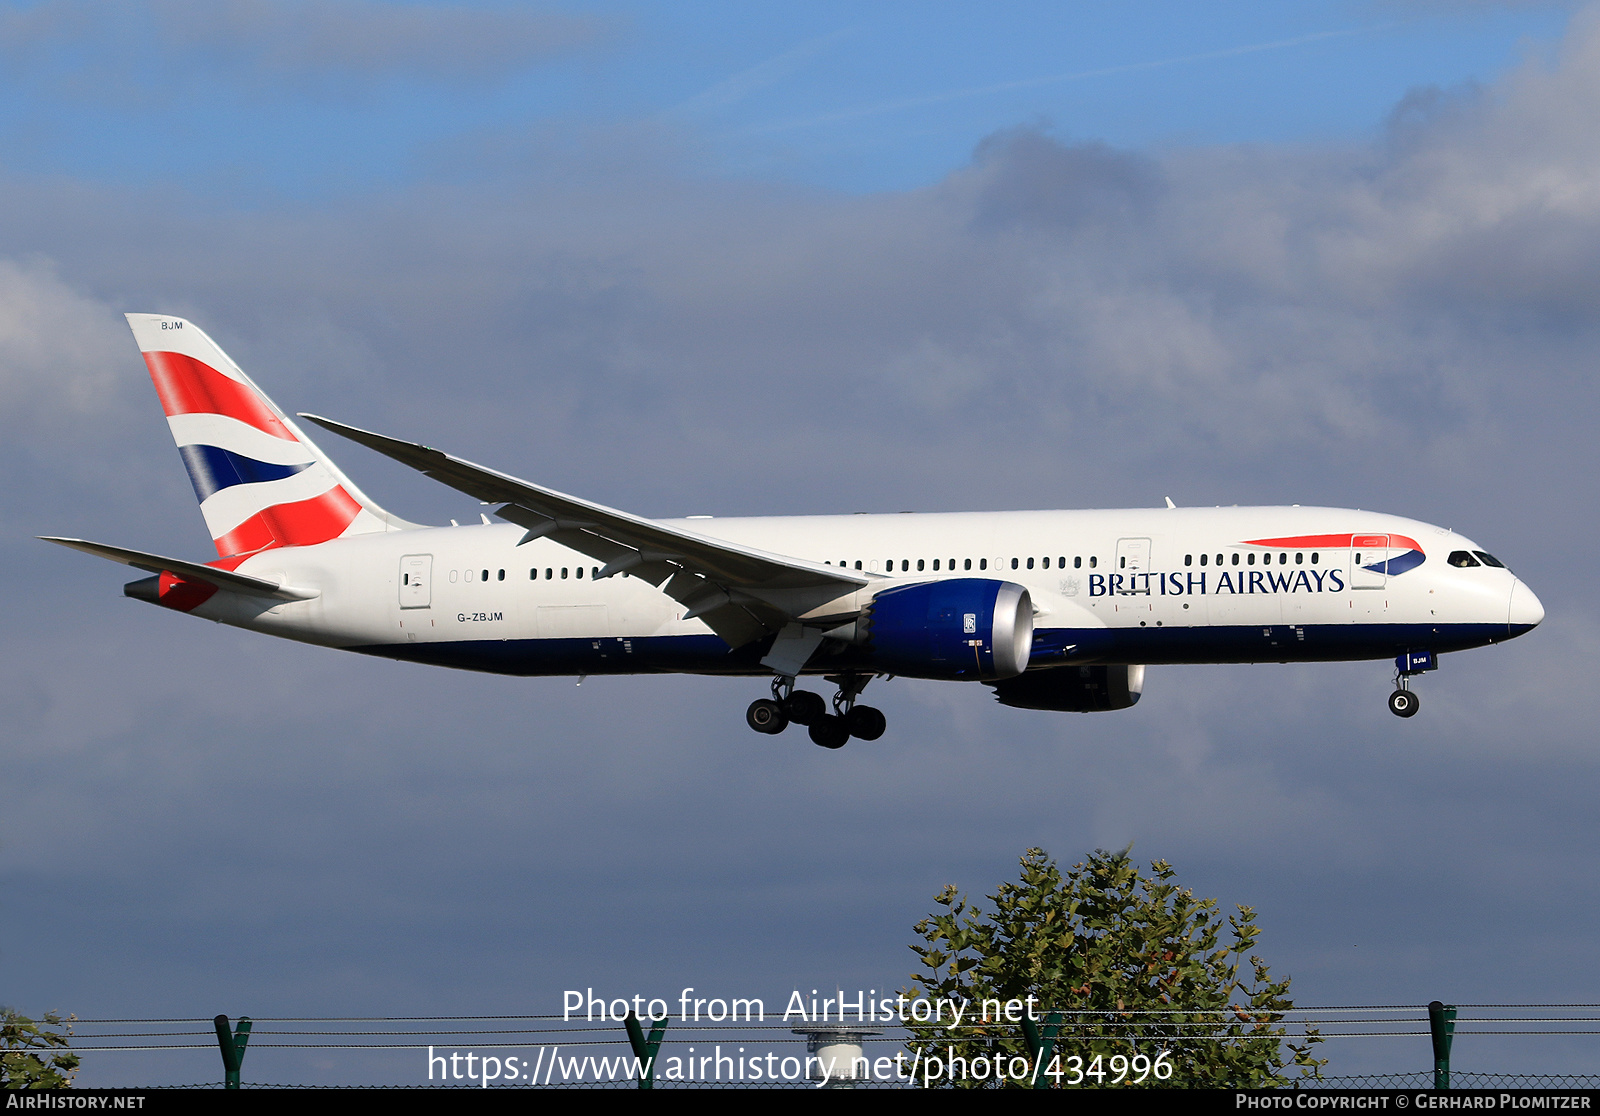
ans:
(260, 481)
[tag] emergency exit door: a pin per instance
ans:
(416, 581)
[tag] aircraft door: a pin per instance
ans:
(1133, 563)
(416, 581)
(1367, 552)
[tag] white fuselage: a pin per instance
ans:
(1134, 586)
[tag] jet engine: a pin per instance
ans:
(963, 628)
(1070, 689)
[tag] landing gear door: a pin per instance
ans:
(416, 581)
(1369, 561)
(1133, 562)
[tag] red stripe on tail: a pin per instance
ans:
(302, 524)
(182, 596)
(188, 386)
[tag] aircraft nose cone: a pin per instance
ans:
(1526, 611)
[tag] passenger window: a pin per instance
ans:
(1490, 560)
(858, 563)
(919, 565)
(1250, 559)
(452, 577)
(936, 565)
(1030, 563)
(1462, 559)
(1013, 563)
(1203, 558)
(1093, 561)
(485, 575)
(1299, 557)
(1313, 557)
(1235, 557)
(1188, 559)
(563, 573)
(966, 564)
(905, 565)
(1045, 562)
(469, 575)
(580, 573)
(548, 574)
(502, 576)
(533, 575)
(983, 563)
(1077, 563)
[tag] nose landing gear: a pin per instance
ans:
(1404, 703)
(803, 707)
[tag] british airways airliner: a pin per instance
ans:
(1053, 610)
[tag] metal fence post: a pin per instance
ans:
(1442, 1026)
(645, 1049)
(232, 1044)
(1040, 1046)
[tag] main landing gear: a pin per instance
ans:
(803, 707)
(1404, 703)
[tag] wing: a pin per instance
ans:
(189, 571)
(740, 592)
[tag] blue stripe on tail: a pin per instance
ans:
(211, 469)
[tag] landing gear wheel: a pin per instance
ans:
(830, 732)
(766, 715)
(805, 707)
(1404, 703)
(865, 722)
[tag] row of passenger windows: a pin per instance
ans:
(966, 564)
(1250, 558)
(550, 574)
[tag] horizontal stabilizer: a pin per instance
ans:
(189, 571)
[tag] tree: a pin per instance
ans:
(30, 1055)
(1133, 964)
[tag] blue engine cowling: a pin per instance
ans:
(963, 628)
(1074, 689)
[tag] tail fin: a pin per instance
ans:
(260, 481)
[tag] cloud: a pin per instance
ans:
(312, 45)
(59, 350)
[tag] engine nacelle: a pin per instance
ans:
(1070, 689)
(963, 628)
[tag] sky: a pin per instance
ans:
(711, 258)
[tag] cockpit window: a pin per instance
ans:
(1490, 560)
(1462, 559)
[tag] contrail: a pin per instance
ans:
(1053, 79)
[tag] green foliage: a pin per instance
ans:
(1105, 944)
(29, 1051)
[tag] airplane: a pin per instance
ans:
(1052, 610)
